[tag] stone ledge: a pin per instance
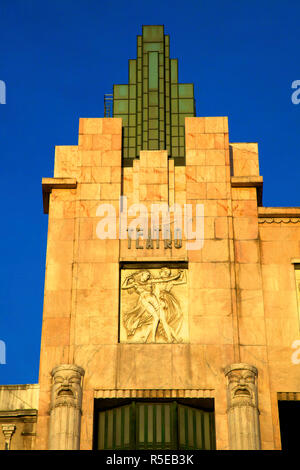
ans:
(18, 413)
(279, 212)
(249, 182)
(246, 181)
(55, 183)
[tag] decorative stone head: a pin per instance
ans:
(67, 385)
(242, 385)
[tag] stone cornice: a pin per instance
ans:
(277, 215)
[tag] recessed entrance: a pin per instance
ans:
(154, 424)
(289, 418)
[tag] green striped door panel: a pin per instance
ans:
(156, 426)
(196, 428)
(148, 425)
(116, 430)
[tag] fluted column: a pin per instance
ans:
(242, 407)
(65, 408)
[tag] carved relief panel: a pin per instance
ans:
(154, 305)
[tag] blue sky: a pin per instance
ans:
(59, 57)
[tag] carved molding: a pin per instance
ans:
(278, 220)
(154, 393)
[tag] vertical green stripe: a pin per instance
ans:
(153, 71)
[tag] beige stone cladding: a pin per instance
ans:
(18, 416)
(239, 298)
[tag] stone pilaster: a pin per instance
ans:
(242, 407)
(8, 430)
(65, 409)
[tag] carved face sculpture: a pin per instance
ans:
(66, 384)
(241, 385)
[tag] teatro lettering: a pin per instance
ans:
(136, 240)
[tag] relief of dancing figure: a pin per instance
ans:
(157, 307)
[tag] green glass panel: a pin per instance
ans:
(153, 124)
(174, 71)
(153, 46)
(186, 90)
(153, 70)
(182, 119)
(153, 112)
(120, 106)
(175, 152)
(132, 92)
(153, 33)
(153, 145)
(132, 152)
(186, 105)
(120, 91)
(153, 134)
(132, 106)
(174, 106)
(132, 71)
(153, 98)
(174, 91)
(175, 119)
(132, 120)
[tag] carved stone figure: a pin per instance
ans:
(242, 400)
(157, 310)
(65, 409)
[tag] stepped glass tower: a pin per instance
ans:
(171, 309)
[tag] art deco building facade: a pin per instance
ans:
(147, 342)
